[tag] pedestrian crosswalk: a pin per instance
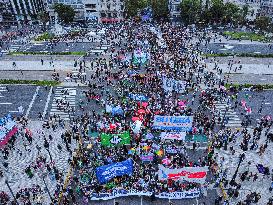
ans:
(66, 95)
(231, 118)
(14, 47)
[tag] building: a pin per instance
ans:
(25, 11)
(267, 8)
(111, 11)
(7, 16)
(77, 5)
(105, 11)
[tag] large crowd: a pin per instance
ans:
(141, 57)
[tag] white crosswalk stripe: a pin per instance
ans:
(225, 111)
(68, 95)
(14, 47)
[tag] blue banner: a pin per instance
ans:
(138, 97)
(117, 111)
(178, 123)
(107, 172)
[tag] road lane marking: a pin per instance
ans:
(5, 103)
(47, 101)
(32, 101)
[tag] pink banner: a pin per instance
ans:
(5, 140)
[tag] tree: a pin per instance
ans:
(160, 9)
(65, 12)
(132, 7)
(43, 17)
(231, 13)
(217, 10)
(262, 22)
(190, 11)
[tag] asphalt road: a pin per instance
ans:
(236, 48)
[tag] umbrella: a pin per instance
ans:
(146, 148)
(135, 118)
(159, 152)
(166, 161)
(141, 111)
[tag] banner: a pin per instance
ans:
(107, 172)
(171, 150)
(170, 85)
(179, 195)
(117, 110)
(111, 140)
(196, 138)
(179, 123)
(147, 158)
(164, 195)
(191, 174)
(173, 136)
(7, 129)
(138, 97)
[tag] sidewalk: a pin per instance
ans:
(36, 65)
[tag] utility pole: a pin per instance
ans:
(43, 177)
(7, 183)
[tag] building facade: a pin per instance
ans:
(7, 16)
(104, 11)
(256, 8)
(25, 11)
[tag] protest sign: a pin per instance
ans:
(170, 85)
(136, 126)
(179, 123)
(179, 195)
(173, 136)
(191, 174)
(107, 172)
(111, 140)
(138, 97)
(171, 150)
(147, 158)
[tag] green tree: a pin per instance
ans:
(217, 10)
(160, 9)
(65, 12)
(190, 11)
(231, 13)
(132, 7)
(262, 23)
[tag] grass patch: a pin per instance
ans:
(253, 55)
(45, 36)
(255, 86)
(30, 82)
(76, 53)
(246, 36)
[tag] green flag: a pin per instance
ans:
(111, 140)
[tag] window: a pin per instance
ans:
(90, 6)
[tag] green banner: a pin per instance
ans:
(111, 140)
(196, 138)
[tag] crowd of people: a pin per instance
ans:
(150, 70)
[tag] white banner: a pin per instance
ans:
(164, 195)
(191, 174)
(173, 136)
(179, 195)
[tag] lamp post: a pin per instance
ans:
(242, 156)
